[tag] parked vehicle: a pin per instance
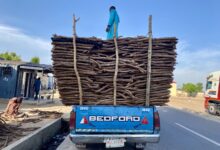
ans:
(212, 93)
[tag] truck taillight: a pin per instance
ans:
(156, 121)
(72, 120)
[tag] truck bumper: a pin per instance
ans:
(130, 138)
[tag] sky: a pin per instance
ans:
(27, 26)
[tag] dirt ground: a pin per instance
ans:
(188, 103)
(55, 106)
(33, 122)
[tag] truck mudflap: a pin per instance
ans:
(114, 119)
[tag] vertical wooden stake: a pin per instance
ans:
(116, 66)
(148, 84)
(75, 60)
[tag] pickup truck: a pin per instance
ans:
(114, 125)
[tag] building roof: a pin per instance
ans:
(37, 67)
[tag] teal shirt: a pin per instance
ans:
(113, 22)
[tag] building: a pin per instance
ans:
(17, 78)
(26, 76)
(173, 89)
(8, 78)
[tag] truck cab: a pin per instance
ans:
(212, 93)
(114, 125)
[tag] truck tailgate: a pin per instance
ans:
(114, 119)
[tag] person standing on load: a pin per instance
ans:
(37, 85)
(112, 23)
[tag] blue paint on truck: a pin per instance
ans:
(95, 124)
(121, 119)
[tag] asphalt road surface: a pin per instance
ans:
(180, 130)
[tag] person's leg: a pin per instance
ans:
(37, 93)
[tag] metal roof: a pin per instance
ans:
(38, 67)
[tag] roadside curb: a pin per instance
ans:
(35, 140)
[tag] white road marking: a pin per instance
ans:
(198, 134)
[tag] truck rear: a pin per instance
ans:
(114, 125)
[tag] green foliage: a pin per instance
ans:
(192, 89)
(10, 56)
(35, 60)
(199, 87)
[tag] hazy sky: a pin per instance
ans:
(26, 27)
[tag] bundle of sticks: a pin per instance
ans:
(96, 66)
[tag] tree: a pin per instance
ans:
(10, 56)
(35, 60)
(199, 87)
(192, 89)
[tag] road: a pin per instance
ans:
(187, 131)
(181, 130)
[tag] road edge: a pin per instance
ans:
(198, 114)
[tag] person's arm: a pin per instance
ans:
(111, 18)
(9, 104)
(17, 108)
(6, 109)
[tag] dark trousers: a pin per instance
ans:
(36, 94)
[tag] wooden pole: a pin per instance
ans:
(148, 85)
(116, 67)
(53, 89)
(75, 60)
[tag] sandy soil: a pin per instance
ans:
(55, 106)
(188, 103)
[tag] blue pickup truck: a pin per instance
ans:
(114, 125)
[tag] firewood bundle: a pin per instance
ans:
(96, 67)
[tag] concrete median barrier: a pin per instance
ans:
(38, 138)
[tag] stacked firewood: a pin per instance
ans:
(96, 67)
